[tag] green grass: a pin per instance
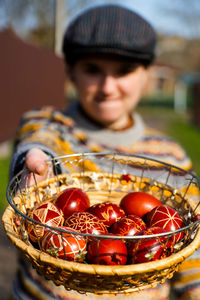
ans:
(178, 126)
(4, 169)
(189, 137)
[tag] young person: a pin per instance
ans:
(107, 51)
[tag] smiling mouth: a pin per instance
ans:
(104, 98)
(107, 100)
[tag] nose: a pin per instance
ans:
(108, 84)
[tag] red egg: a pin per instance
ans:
(145, 250)
(138, 203)
(107, 212)
(126, 177)
(196, 218)
(167, 218)
(86, 223)
(66, 246)
(46, 213)
(72, 200)
(129, 225)
(107, 252)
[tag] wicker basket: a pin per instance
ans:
(100, 176)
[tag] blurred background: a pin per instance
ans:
(32, 71)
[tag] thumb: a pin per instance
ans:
(35, 161)
(40, 167)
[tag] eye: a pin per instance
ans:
(91, 69)
(126, 69)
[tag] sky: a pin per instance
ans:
(163, 15)
(143, 7)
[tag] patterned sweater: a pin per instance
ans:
(59, 133)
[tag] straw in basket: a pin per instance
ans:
(103, 178)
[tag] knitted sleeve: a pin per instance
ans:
(186, 283)
(44, 129)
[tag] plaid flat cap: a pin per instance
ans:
(110, 29)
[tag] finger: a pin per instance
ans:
(31, 180)
(35, 161)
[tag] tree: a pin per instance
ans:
(187, 12)
(24, 16)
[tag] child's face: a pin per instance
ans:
(108, 89)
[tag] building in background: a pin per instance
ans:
(162, 81)
(30, 77)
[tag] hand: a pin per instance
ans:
(36, 162)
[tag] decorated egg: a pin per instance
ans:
(46, 213)
(107, 212)
(166, 217)
(72, 200)
(128, 225)
(145, 250)
(66, 246)
(107, 252)
(86, 223)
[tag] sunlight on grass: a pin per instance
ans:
(4, 169)
(189, 137)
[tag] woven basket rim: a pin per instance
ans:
(86, 174)
(91, 268)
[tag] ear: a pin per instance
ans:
(144, 77)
